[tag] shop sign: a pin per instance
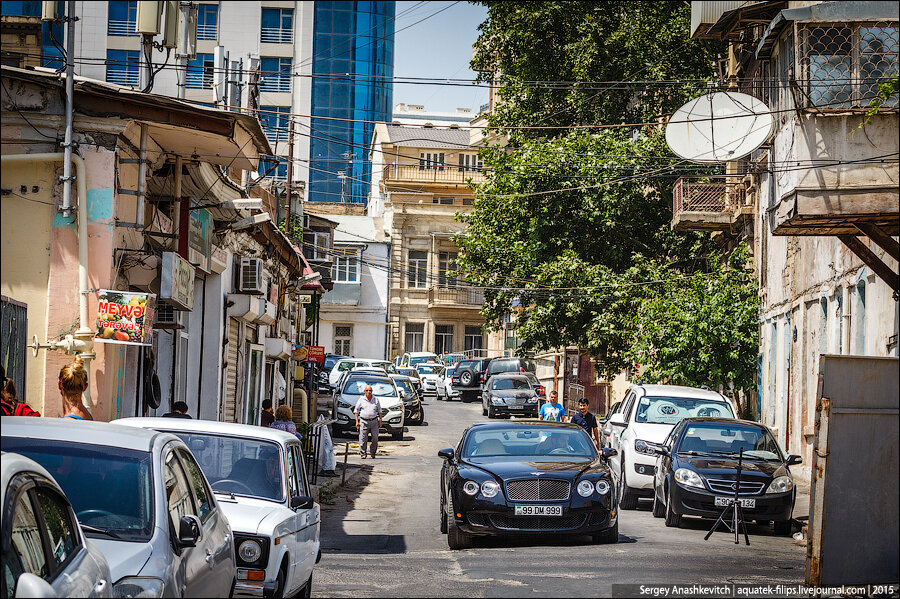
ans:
(124, 317)
(177, 281)
(304, 299)
(308, 353)
(200, 239)
(299, 353)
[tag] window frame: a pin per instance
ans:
(417, 269)
(129, 66)
(131, 18)
(345, 341)
(203, 12)
(444, 336)
(170, 450)
(187, 458)
(414, 336)
(345, 266)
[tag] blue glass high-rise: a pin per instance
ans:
(353, 68)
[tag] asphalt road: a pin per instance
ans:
(381, 538)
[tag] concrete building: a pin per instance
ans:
(415, 114)
(819, 202)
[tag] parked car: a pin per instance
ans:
(444, 384)
(344, 364)
(697, 471)
(327, 365)
(429, 372)
(509, 394)
(413, 374)
(498, 365)
(155, 518)
(45, 552)
(602, 421)
(358, 370)
(259, 477)
(415, 358)
(383, 387)
(468, 378)
(414, 413)
(526, 477)
(537, 385)
(648, 414)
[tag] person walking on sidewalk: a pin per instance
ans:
(73, 381)
(553, 411)
(587, 421)
(368, 420)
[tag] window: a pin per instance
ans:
(446, 263)
(443, 338)
(275, 74)
(470, 162)
(346, 266)
(317, 245)
(443, 201)
(474, 337)
(277, 26)
(208, 22)
(844, 64)
(199, 74)
(63, 538)
(26, 551)
(178, 491)
(343, 333)
(122, 18)
(273, 168)
(859, 318)
(293, 478)
(430, 161)
(415, 336)
(301, 469)
(418, 269)
(274, 122)
(195, 477)
(123, 67)
(181, 359)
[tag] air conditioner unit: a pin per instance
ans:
(250, 277)
(167, 317)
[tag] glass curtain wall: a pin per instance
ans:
(353, 67)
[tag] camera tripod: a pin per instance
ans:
(732, 517)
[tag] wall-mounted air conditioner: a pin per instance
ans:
(250, 277)
(167, 317)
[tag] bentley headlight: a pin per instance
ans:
(471, 487)
(249, 551)
(688, 478)
(585, 488)
(489, 488)
(782, 484)
(602, 487)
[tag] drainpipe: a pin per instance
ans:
(845, 320)
(66, 207)
(82, 342)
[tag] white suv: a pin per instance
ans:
(345, 364)
(646, 416)
(384, 389)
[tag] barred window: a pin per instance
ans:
(343, 333)
(844, 64)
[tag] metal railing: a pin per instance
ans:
(275, 83)
(431, 173)
(122, 28)
(461, 296)
(276, 35)
(712, 195)
(123, 77)
(207, 32)
(198, 80)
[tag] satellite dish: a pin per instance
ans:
(719, 127)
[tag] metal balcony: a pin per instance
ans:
(276, 35)
(447, 174)
(457, 297)
(122, 28)
(706, 205)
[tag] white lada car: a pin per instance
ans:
(258, 476)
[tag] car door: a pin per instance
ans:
(616, 431)
(216, 543)
(192, 573)
(308, 535)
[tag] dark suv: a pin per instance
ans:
(468, 377)
(499, 365)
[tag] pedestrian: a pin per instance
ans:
(268, 416)
(9, 398)
(283, 421)
(179, 410)
(368, 410)
(553, 411)
(587, 421)
(73, 381)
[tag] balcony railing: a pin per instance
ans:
(706, 205)
(276, 35)
(122, 77)
(122, 28)
(275, 83)
(456, 296)
(432, 173)
(207, 32)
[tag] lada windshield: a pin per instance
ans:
(528, 441)
(110, 488)
(238, 465)
(672, 410)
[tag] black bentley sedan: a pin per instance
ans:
(526, 476)
(696, 473)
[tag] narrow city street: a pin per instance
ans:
(381, 537)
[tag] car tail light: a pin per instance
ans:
(521, 369)
(481, 377)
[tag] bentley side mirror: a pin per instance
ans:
(608, 452)
(301, 502)
(446, 454)
(794, 459)
(189, 531)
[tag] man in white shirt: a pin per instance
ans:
(368, 419)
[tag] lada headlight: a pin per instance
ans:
(249, 551)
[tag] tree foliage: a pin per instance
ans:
(571, 227)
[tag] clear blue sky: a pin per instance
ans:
(439, 46)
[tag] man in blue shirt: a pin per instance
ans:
(553, 411)
(587, 421)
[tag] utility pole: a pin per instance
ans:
(290, 174)
(182, 54)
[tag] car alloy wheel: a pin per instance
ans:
(610, 535)
(491, 412)
(457, 539)
(673, 520)
(627, 499)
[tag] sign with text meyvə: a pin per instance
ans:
(124, 317)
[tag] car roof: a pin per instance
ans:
(530, 422)
(14, 463)
(421, 353)
(728, 421)
(510, 375)
(231, 429)
(365, 373)
(679, 391)
(87, 432)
